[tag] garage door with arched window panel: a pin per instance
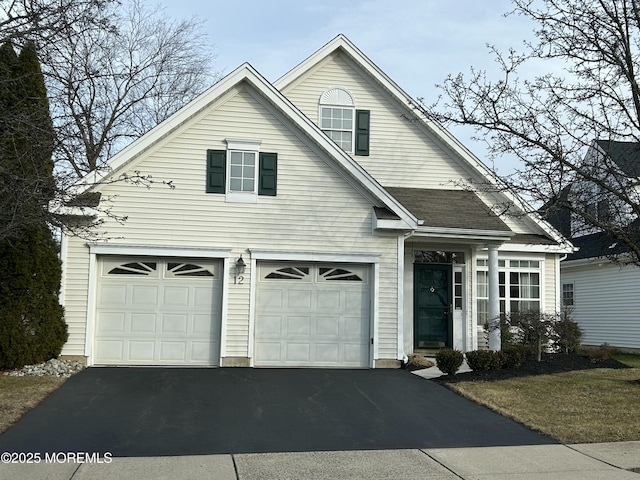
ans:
(312, 315)
(158, 311)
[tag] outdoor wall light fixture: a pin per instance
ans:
(240, 266)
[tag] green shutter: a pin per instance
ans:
(216, 170)
(362, 132)
(268, 174)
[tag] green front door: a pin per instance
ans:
(433, 328)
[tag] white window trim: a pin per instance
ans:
(238, 145)
(507, 268)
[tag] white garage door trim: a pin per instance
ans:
(157, 311)
(312, 315)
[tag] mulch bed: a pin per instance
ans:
(549, 364)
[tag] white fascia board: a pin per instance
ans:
(599, 261)
(158, 250)
(384, 224)
(535, 248)
(463, 234)
(581, 262)
(314, 256)
(88, 212)
(404, 98)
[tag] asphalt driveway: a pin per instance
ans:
(179, 411)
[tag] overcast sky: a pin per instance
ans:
(416, 42)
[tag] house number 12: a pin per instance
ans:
(238, 279)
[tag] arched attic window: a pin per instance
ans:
(344, 124)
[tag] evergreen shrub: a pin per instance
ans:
(449, 361)
(32, 326)
(480, 359)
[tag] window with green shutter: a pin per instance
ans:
(345, 125)
(234, 173)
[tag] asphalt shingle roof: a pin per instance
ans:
(625, 154)
(599, 244)
(448, 208)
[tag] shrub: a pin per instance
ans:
(510, 357)
(567, 334)
(513, 356)
(498, 360)
(480, 359)
(602, 353)
(534, 328)
(32, 326)
(449, 361)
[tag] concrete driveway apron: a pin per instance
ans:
(193, 411)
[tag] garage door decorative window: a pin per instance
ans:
(289, 273)
(323, 274)
(134, 268)
(187, 270)
(327, 273)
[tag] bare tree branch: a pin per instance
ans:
(550, 122)
(113, 70)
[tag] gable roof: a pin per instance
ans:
(342, 43)
(127, 157)
(625, 154)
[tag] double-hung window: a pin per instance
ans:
(242, 174)
(242, 171)
(337, 123)
(567, 296)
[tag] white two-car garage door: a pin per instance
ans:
(158, 311)
(312, 315)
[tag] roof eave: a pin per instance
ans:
(463, 234)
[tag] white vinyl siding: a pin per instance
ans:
(606, 303)
(316, 210)
(76, 282)
(550, 293)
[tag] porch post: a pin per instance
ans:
(494, 299)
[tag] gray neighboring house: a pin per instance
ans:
(603, 294)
